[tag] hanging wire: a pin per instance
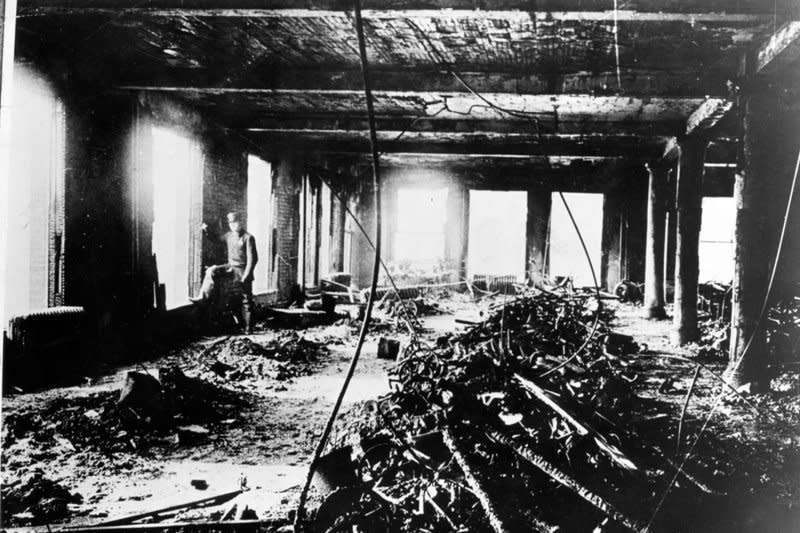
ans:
(738, 363)
(616, 47)
(376, 183)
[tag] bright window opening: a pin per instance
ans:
(259, 217)
(497, 222)
(175, 164)
(716, 251)
(325, 231)
(420, 234)
(567, 257)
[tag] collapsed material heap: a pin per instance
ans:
(506, 427)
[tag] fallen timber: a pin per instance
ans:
(507, 426)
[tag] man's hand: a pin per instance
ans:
(203, 226)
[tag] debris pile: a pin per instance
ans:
(146, 411)
(782, 324)
(513, 425)
(240, 359)
(783, 329)
(714, 339)
(35, 500)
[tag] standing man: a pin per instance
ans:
(242, 259)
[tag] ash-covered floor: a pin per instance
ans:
(257, 404)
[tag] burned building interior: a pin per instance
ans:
(493, 265)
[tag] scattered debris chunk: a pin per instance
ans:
(35, 500)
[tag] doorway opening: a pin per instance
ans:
(566, 253)
(497, 222)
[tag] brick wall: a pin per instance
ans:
(224, 190)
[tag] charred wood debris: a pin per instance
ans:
(781, 324)
(515, 424)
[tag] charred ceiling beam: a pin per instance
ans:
(652, 83)
(504, 163)
(543, 124)
(598, 7)
(445, 112)
(632, 147)
(780, 51)
(708, 114)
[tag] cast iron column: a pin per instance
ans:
(689, 210)
(654, 254)
(538, 223)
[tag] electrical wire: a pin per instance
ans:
(616, 47)
(599, 311)
(738, 363)
(412, 327)
(446, 64)
(376, 183)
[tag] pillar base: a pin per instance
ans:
(681, 336)
(655, 313)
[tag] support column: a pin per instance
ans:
(654, 253)
(748, 350)
(689, 210)
(288, 184)
(536, 232)
(338, 215)
(671, 236)
(456, 230)
(612, 251)
(389, 223)
(362, 254)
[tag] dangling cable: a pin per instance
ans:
(616, 48)
(761, 316)
(376, 182)
(596, 290)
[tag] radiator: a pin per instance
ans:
(39, 330)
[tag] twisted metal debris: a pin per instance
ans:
(509, 426)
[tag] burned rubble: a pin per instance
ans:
(320, 266)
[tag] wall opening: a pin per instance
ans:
(176, 161)
(36, 194)
(420, 228)
(326, 230)
(716, 250)
(259, 219)
(497, 222)
(566, 254)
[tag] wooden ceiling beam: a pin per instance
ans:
(484, 143)
(683, 83)
(543, 124)
(708, 114)
(780, 51)
(597, 7)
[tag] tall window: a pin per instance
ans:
(567, 257)
(421, 217)
(325, 230)
(259, 218)
(35, 232)
(497, 233)
(716, 251)
(176, 162)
